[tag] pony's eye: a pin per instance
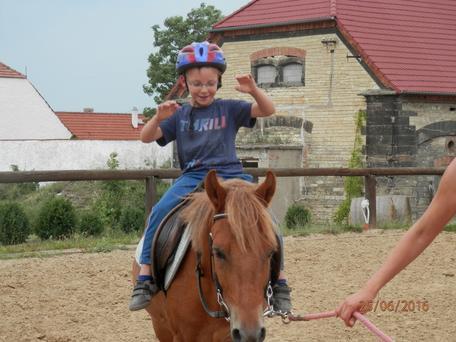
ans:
(219, 254)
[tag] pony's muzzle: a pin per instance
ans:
(247, 325)
(251, 335)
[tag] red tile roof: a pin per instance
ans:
(410, 44)
(261, 12)
(100, 126)
(7, 72)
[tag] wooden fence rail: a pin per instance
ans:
(150, 176)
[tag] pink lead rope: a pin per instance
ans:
(368, 324)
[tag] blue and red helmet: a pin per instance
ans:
(200, 55)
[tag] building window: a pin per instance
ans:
(292, 73)
(278, 71)
(266, 74)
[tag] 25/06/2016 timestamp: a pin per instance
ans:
(398, 305)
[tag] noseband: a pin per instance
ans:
(225, 310)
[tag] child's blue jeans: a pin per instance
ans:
(181, 187)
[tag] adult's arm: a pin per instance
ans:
(410, 246)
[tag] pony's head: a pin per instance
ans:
(230, 223)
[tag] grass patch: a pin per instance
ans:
(333, 229)
(450, 228)
(394, 225)
(36, 247)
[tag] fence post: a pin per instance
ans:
(370, 183)
(151, 193)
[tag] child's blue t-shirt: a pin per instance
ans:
(206, 136)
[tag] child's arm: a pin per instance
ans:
(151, 131)
(411, 245)
(263, 105)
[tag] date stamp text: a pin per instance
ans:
(398, 305)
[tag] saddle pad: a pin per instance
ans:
(181, 250)
(165, 241)
(173, 267)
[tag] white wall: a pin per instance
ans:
(80, 154)
(24, 114)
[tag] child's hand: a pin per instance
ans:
(246, 84)
(166, 109)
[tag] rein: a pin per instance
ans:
(225, 310)
(288, 318)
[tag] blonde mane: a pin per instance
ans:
(248, 218)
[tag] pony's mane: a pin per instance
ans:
(248, 218)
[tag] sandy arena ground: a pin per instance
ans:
(83, 297)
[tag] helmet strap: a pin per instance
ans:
(219, 84)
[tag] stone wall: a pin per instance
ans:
(435, 124)
(405, 131)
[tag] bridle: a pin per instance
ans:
(225, 310)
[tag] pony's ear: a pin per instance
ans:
(215, 191)
(266, 190)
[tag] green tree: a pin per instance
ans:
(178, 32)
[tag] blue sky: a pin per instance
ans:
(88, 53)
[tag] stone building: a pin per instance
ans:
(322, 61)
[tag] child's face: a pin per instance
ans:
(202, 85)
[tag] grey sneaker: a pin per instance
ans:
(142, 294)
(281, 300)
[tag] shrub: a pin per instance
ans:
(450, 228)
(56, 219)
(131, 219)
(90, 224)
(342, 213)
(109, 202)
(14, 225)
(297, 216)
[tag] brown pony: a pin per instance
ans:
(232, 243)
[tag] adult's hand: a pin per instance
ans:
(360, 301)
